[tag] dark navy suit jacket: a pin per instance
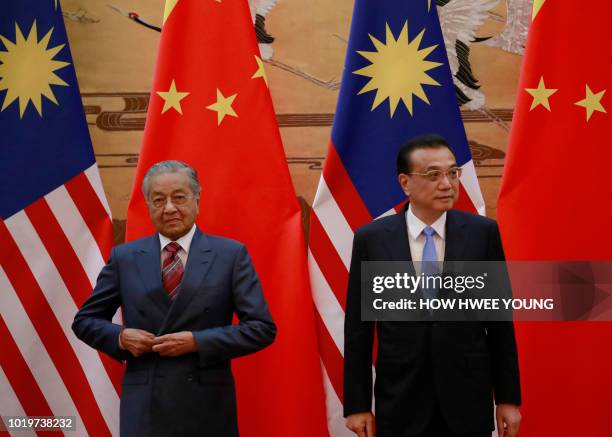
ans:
(460, 366)
(193, 394)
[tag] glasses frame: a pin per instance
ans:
(442, 173)
(188, 197)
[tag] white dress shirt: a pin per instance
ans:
(416, 238)
(184, 242)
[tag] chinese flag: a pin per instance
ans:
(210, 107)
(555, 203)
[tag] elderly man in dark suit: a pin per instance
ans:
(433, 379)
(179, 290)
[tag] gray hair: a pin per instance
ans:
(171, 167)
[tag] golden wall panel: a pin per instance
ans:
(115, 59)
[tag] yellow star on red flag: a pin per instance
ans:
(592, 102)
(537, 5)
(223, 106)
(261, 72)
(209, 45)
(540, 95)
(172, 98)
(168, 8)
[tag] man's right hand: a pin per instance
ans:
(136, 341)
(361, 424)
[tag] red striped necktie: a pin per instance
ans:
(172, 269)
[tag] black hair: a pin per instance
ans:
(429, 141)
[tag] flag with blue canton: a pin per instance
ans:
(43, 135)
(396, 84)
(55, 228)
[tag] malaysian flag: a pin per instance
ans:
(55, 228)
(396, 84)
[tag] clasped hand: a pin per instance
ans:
(139, 342)
(361, 424)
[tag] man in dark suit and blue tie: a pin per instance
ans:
(433, 379)
(179, 290)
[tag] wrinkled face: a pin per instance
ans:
(427, 196)
(173, 207)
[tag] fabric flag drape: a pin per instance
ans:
(396, 84)
(210, 107)
(55, 228)
(554, 204)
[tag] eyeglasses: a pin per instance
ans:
(453, 174)
(177, 200)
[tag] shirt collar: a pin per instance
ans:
(184, 241)
(416, 226)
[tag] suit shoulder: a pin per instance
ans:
(129, 246)
(379, 225)
(224, 243)
(472, 219)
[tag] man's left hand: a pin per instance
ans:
(175, 344)
(508, 420)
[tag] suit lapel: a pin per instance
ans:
(199, 261)
(396, 242)
(148, 262)
(455, 237)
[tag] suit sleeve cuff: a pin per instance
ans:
(113, 343)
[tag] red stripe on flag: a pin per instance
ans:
(464, 203)
(398, 208)
(51, 334)
(328, 260)
(60, 250)
(20, 377)
(70, 269)
(114, 369)
(92, 211)
(330, 355)
(345, 194)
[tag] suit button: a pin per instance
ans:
(190, 377)
(207, 310)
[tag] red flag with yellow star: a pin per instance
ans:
(210, 107)
(555, 203)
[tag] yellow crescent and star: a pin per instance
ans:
(27, 69)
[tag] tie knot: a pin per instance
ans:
(428, 231)
(172, 247)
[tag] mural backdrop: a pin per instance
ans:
(114, 45)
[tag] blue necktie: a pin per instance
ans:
(429, 264)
